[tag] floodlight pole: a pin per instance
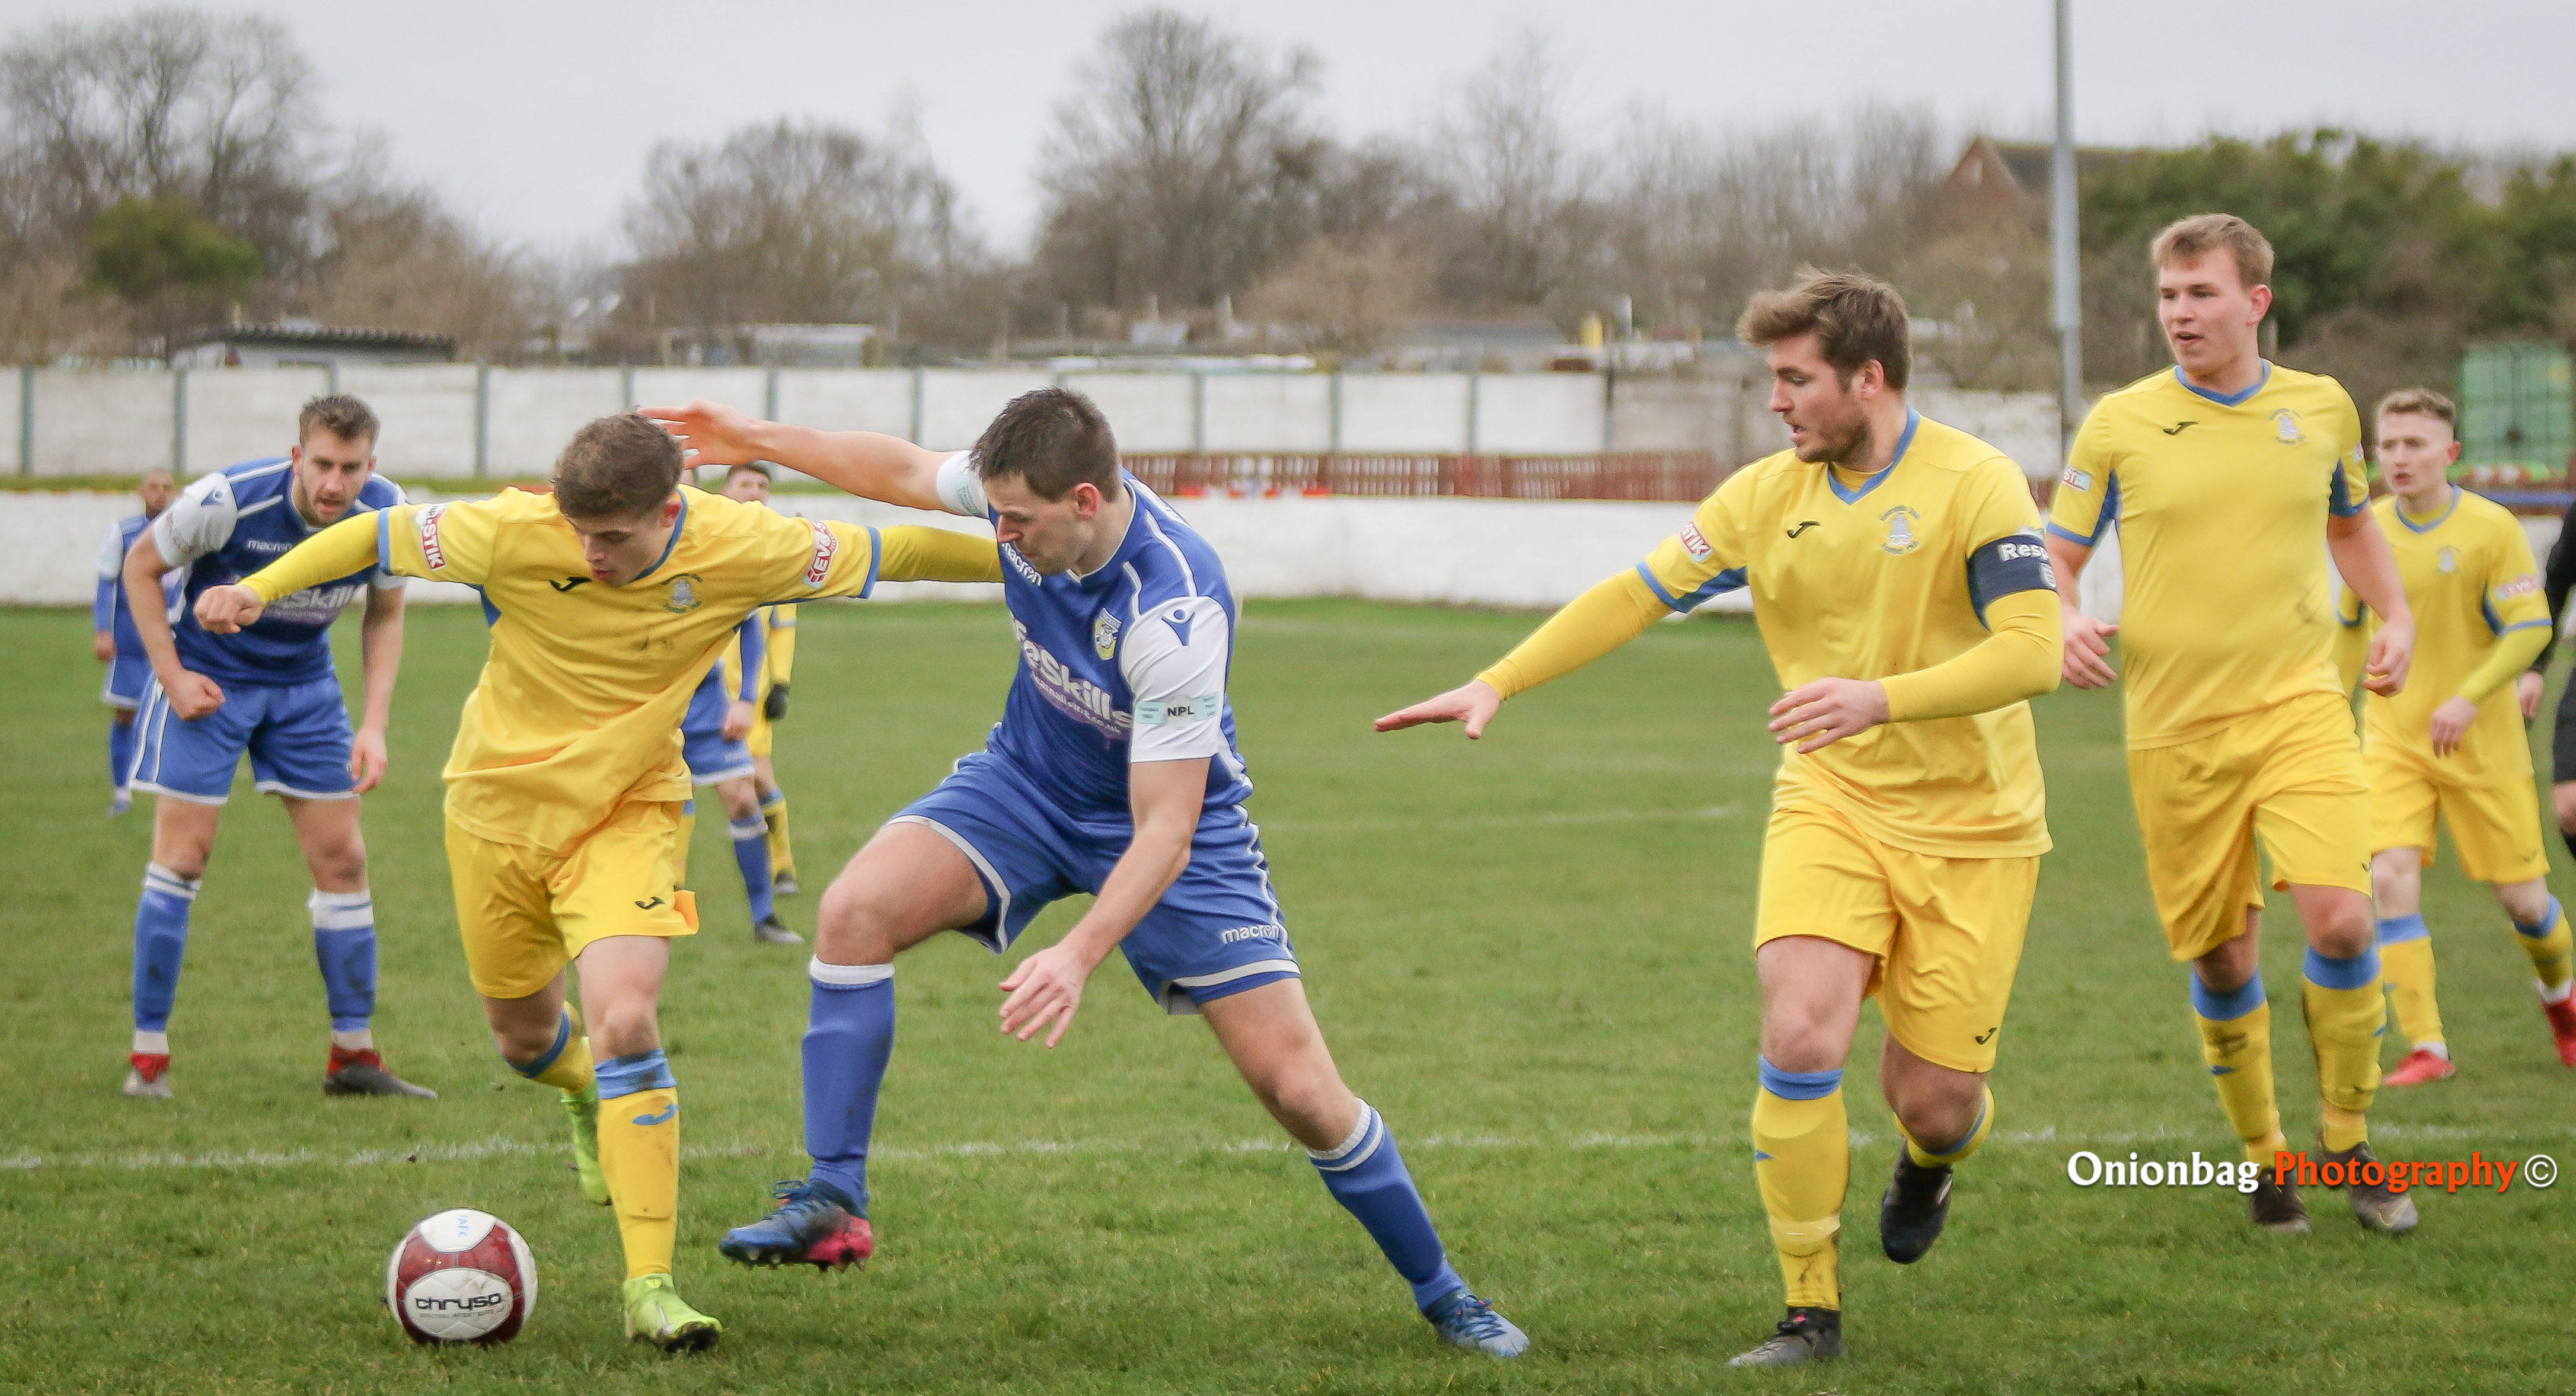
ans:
(2069, 317)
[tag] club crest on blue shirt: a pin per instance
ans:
(684, 594)
(1900, 530)
(1104, 635)
(2287, 422)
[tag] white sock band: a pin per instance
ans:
(341, 911)
(847, 976)
(746, 829)
(157, 878)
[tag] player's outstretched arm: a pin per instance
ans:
(2087, 661)
(2362, 557)
(345, 547)
(864, 463)
(1164, 799)
(1608, 615)
(912, 553)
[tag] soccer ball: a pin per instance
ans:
(461, 1277)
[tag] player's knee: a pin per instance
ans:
(858, 920)
(621, 1029)
(1937, 1115)
(2391, 881)
(524, 1042)
(1302, 1099)
(2343, 929)
(2564, 796)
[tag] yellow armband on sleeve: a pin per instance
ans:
(911, 553)
(2019, 659)
(1607, 615)
(345, 547)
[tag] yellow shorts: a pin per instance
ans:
(2289, 778)
(1946, 932)
(758, 738)
(2496, 828)
(526, 914)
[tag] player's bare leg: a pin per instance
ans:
(544, 1041)
(344, 945)
(1941, 1111)
(1270, 1035)
(1811, 996)
(907, 884)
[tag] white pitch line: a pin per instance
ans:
(499, 1146)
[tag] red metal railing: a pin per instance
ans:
(1637, 475)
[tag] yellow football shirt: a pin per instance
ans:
(2470, 580)
(1871, 581)
(580, 701)
(2222, 504)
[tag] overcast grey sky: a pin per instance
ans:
(535, 115)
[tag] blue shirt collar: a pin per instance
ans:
(1913, 419)
(2433, 523)
(2235, 399)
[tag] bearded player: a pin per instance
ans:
(1113, 772)
(1902, 590)
(607, 599)
(2451, 749)
(2232, 479)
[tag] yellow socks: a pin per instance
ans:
(2347, 1011)
(1802, 1160)
(680, 847)
(2553, 955)
(1967, 1144)
(2406, 967)
(2236, 1041)
(566, 1065)
(782, 858)
(639, 1150)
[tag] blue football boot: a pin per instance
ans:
(1463, 1320)
(811, 1226)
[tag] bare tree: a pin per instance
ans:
(396, 256)
(1184, 166)
(1350, 295)
(1506, 149)
(804, 223)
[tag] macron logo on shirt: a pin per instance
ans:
(1180, 623)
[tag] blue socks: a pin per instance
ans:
(344, 945)
(120, 753)
(160, 940)
(751, 853)
(1366, 1175)
(849, 1035)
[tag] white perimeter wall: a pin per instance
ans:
(119, 423)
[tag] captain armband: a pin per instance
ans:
(2013, 563)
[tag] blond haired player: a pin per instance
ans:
(2452, 748)
(607, 600)
(1903, 592)
(2225, 474)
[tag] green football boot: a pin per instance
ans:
(656, 1314)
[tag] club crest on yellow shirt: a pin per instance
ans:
(1104, 635)
(2447, 559)
(2287, 422)
(684, 594)
(1900, 530)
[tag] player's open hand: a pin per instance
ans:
(192, 695)
(2527, 691)
(2392, 654)
(737, 723)
(2450, 723)
(224, 610)
(1819, 714)
(713, 433)
(2088, 651)
(1473, 703)
(1044, 992)
(367, 758)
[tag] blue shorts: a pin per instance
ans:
(127, 676)
(297, 736)
(711, 758)
(1216, 932)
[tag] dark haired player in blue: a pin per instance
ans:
(112, 636)
(269, 692)
(1113, 772)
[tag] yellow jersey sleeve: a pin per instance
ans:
(2514, 598)
(2348, 492)
(1708, 556)
(454, 541)
(2087, 501)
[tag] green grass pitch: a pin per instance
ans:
(1531, 953)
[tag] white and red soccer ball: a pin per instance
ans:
(461, 1277)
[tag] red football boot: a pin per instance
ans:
(150, 1077)
(2419, 1067)
(2562, 1026)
